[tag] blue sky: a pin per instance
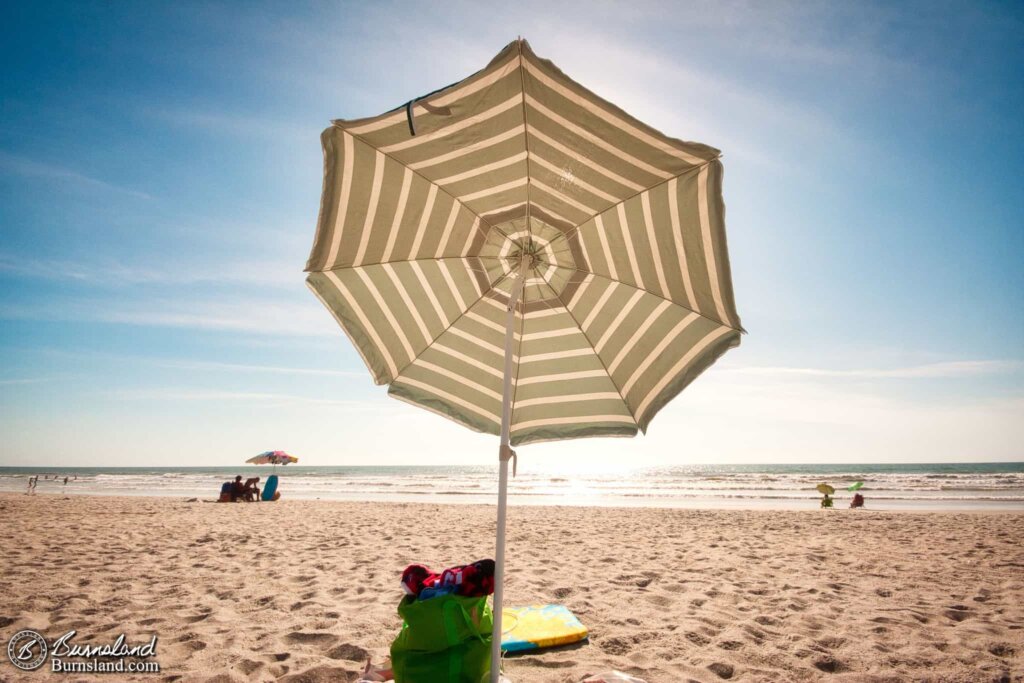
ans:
(160, 174)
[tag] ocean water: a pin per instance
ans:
(886, 486)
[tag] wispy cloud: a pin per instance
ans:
(236, 124)
(30, 168)
(114, 273)
(264, 398)
(269, 369)
(680, 96)
(26, 380)
(717, 107)
(78, 357)
(253, 316)
(948, 369)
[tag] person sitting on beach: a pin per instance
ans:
(858, 501)
(237, 489)
(250, 491)
(826, 502)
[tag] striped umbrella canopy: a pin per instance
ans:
(523, 257)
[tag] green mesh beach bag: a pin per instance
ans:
(446, 639)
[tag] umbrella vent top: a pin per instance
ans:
(551, 258)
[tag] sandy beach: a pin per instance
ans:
(304, 590)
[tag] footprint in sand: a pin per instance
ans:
(321, 674)
(548, 663)
(756, 635)
(248, 666)
(697, 638)
(659, 600)
(721, 669)
(349, 652)
(189, 647)
(831, 643)
(633, 580)
(957, 612)
(615, 646)
(304, 638)
(828, 664)
(1002, 649)
(278, 670)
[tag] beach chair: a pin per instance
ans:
(225, 492)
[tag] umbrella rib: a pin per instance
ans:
(478, 217)
(484, 272)
(410, 260)
(399, 371)
(596, 355)
(519, 365)
(526, 136)
(643, 289)
(571, 233)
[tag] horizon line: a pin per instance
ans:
(437, 465)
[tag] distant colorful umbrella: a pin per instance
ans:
(854, 487)
(273, 458)
(826, 489)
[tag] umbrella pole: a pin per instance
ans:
(504, 455)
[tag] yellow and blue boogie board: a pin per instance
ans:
(539, 626)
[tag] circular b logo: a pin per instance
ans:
(27, 650)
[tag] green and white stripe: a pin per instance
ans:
(629, 294)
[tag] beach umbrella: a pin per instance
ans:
(520, 256)
(826, 489)
(274, 458)
(855, 486)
